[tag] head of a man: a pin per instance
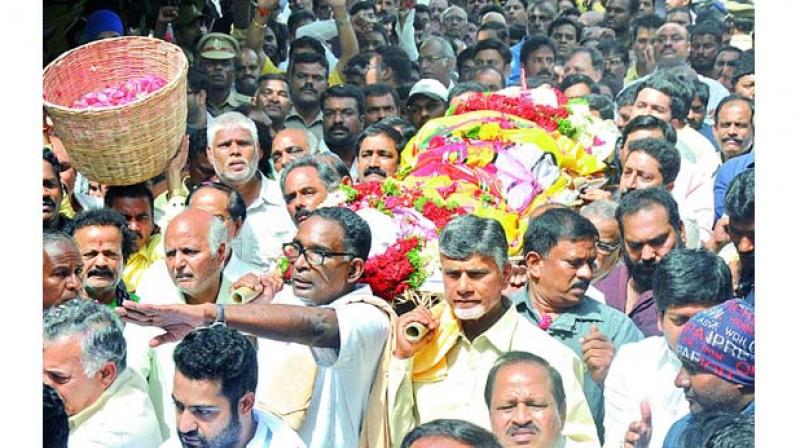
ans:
(427, 99)
(363, 16)
(624, 102)
(490, 77)
(619, 13)
(84, 351)
(223, 202)
(577, 85)
(289, 144)
(474, 259)
(646, 126)
(643, 37)
(516, 12)
(541, 14)
(651, 228)
(697, 109)
(217, 57)
(196, 92)
(602, 215)
(454, 22)
(705, 43)
(190, 26)
(61, 270)
(342, 117)
(717, 352)
(538, 54)
(135, 204)
(680, 16)
(195, 245)
(743, 78)
(734, 125)
(379, 148)
(565, 33)
(308, 75)
(233, 148)
(247, 71)
(104, 242)
(381, 101)
(663, 96)
(305, 184)
(388, 64)
(493, 53)
(199, 167)
(52, 189)
(686, 282)
(740, 206)
(615, 59)
(725, 63)
(650, 162)
(672, 45)
(327, 255)
(437, 60)
(449, 433)
(273, 97)
(585, 61)
(526, 400)
(560, 252)
(216, 374)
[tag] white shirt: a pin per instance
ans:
(267, 226)
(270, 432)
(156, 364)
(694, 193)
(121, 417)
(643, 370)
(344, 378)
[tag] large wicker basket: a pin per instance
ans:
(126, 144)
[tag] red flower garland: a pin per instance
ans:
(522, 105)
(387, 274)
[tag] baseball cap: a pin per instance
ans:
(430, 88)
(218, 46)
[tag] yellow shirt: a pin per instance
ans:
(141, 260)
(460, 393)
(334, 79)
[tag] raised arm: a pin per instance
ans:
(347, 36)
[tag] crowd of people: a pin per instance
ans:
(628, 321)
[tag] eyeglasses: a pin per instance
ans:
(430, 59)
(606, 247)
(314, 257)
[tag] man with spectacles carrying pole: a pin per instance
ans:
(340, 322)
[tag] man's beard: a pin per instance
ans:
(747, 269)
(642, 273)
(340, 145)
(238, 178)
(227, 438)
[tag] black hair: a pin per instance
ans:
(608, 46)
(458, 430)
(626, 97)
(198, 142)
(559, 21)
(360, 6)
(50, 157)
(740, 199)
(397, 59)
(383, 129)
(501, 30)
(298, 17)
(594, 55)
(197, 79)
(55, 422)
(669, 159)
(468, 86)
(637, 200)
(745, 66)
(532, 44)
(491, 7)
(344, 91)
(519, 357)
(649, 122)
(688, 276)
(701, 91)
(140, 190)
(578, 78)
(650, 21)
(678, 91)
(494, 44)
(273, 77)
(357, 235)
(236, 206)
(106, 217)
(602, 104)
(720, 429)
(382, 90)
(219, 353)
(316, 56)
(464, 56)
(736, 97)
(554, 225)
(408, 129)
(708, 28)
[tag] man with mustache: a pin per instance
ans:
(705, 43)
(343, 121)
(217, 53)
(52, 194)
(216, 374)
(559, 247)
(740, 204)
(273, 97)
(526, 401)
(288, 144)
(379, 149)
(651, 228)
(733, 126)
(135, 204)
(308, 75)
(61, 270)
(439, 375)
(538, 54)
(247, 71)
(104, 242)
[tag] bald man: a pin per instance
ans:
(288, 144)
(61, 270)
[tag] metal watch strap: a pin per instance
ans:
(220, 319)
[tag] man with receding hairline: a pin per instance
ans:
(288, 144)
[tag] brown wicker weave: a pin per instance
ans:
(125, 144)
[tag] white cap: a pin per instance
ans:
(430, 88)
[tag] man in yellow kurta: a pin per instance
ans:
(443, 375)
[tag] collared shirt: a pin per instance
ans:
(673, 438)
(643, 371)
(267, 226)
(729, 170)
(716, 91)
(460, 393)
(156, 364)
(345, 375)
(121, 417)
(576, 322)
(233, 101)
(693, 192)
(296, 121)
(142, 259)
(270, 432)
(615, 287)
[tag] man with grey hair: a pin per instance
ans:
(195, 244)
(84, 360)
(437, 59)
(234, 152)
(602, 214)
(442, 373)
(61, 270)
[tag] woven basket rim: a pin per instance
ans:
(182, 66)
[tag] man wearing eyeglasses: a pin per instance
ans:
(437, 60)
(340, 323)
(560, 250)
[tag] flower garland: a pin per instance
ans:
(398, 269)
